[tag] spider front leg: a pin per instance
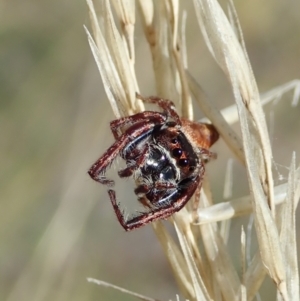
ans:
(154, 189)
(117, 125)
(138, 161)
(158, 213)
(97, 171)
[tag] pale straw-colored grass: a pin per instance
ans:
(207, 273)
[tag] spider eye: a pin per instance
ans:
(174, 141)
(183, 162)
(177, 152)
(171, 124)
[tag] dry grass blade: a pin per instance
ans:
(254, 276)
(200, 289)
(227, 193)
(227, 51)
(147, 15)
(230, 113)
(236, 207)
(234, 61)
(172, 7)
(118, 288)
(112, 93)
(227, 133)
(288, 233)
(113, 61)
(162, 36)
(126, 12)
(276, 93)
(219, 259)
(176, 261)
(266, 229)
(229, 54)
(120, 54)
(243, 291)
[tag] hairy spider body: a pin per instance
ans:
(164, 154)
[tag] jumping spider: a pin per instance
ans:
(165, 155)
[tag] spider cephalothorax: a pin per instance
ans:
(163, 153)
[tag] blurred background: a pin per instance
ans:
(57, 226)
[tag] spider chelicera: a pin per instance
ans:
(165, 155)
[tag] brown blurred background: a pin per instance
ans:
(57, 226)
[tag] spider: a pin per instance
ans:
(165, 155)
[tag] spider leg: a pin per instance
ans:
(206, 155)
(166, 104)
(154, 189)
(160, 185)
(117, 125)
(140, 157)
(147, 217)
(99, 167)
(196, 202)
